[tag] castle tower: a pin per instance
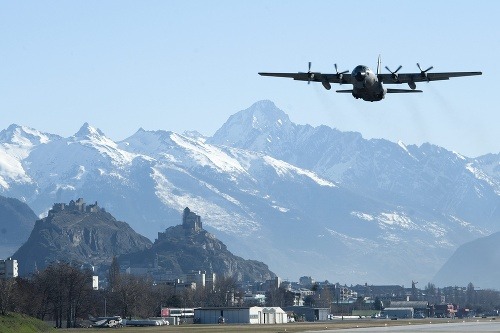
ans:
(191, 221)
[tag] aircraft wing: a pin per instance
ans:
(419, 77)
(402, 91)
(313, 77)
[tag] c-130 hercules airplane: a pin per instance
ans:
(368, 85)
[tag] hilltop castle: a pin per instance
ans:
(191, 223)
(76, 206)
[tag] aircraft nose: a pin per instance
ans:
(360, 76)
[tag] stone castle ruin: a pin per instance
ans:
(76, 206)
(191, 223)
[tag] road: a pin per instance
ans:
(454, 326)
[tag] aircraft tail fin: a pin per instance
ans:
(379, 64)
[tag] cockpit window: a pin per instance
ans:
(360, 68)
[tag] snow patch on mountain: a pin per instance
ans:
(395, 219)
(482, 175)
(207, 155)
(284, 169)
(281, 209)
(363, 216)
(11, 170)
(351, 241)
(403, 146)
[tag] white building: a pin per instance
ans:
(251, 315)
(8, 269)
(95, 282)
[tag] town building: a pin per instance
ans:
(197, 277)
(9, 269)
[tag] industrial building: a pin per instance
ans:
(305, 313)
(246, 315)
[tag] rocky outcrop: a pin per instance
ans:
(182, 250)
(86, 237)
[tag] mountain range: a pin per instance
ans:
(305, 200)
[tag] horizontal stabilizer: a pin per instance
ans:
(345, 91)
(402, 91)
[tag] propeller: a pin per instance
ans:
(310, 75)
(341, 74)
(395, 73)
(424, 73)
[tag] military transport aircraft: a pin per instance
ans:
(368, 85)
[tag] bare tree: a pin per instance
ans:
(6, 292)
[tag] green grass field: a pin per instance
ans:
(18, 323)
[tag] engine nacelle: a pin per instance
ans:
(412, 85)
(327, 85)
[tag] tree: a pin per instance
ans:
(470, 298)
(114, 273)
(430, 291)
(378, 305)
(6, 291)
(69, 288)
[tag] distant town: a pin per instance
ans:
(64, 293)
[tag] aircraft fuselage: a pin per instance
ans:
(366, 85)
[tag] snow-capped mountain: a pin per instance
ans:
(425, 177)
(304, 200)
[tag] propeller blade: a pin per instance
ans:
(337, 70)
(397, 70)
(309, 76)
(428, 69)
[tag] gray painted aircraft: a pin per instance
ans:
(368, 85)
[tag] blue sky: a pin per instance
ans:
(185, 65)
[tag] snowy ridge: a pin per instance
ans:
(16, 143)
(285, 169)
(95, 138)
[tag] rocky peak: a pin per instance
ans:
(80, 233)
(188, 247)
(88, 132)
